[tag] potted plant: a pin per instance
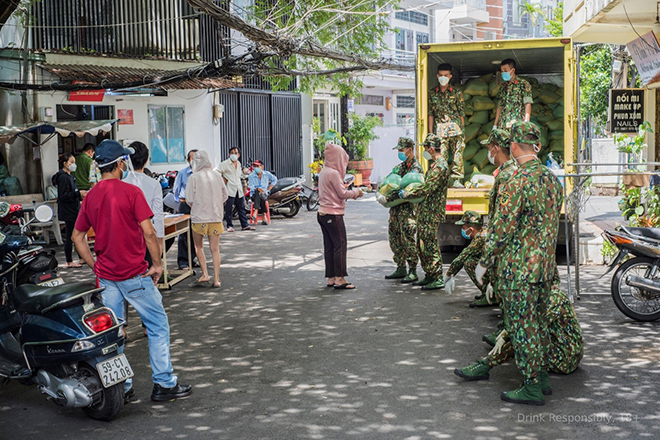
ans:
(358, 177)
(360, 135)
(634, 147)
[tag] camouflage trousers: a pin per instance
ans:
(454, 151)
(470, 267)
(401, 229)
(525, 310)
(427, 245)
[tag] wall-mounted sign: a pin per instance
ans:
(626, 110)
(646, 53)
(86, 95)
(125, 116)
(350, 106)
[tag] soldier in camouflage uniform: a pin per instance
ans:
(521, 244)
(565, 334)
(402, 225)
(514, 100)
(431, 213)
(472, 229)
(446, 105)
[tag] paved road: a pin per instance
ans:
(276, 355)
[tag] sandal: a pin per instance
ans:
(73, 265)
(347, 286)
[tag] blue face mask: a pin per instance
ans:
(465, 235)
(402, 156)
(506, 76)
(257, 170)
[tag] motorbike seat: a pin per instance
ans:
(29, 298)
(283, 183)
(653, 233)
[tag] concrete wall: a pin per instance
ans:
(604, 151)
(385, 158)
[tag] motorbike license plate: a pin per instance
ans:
(52, 283)
(114, 370)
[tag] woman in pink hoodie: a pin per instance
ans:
(332, 198)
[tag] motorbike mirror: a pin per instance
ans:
(43, 213)
(4, 209)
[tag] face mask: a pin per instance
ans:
(257, 170)
(233, 157)
(402, 156)
(427, 155)
(443, 80)
(517, 159)
(506, 76)
(491, 158)
(465, 235)
(124, 173)
(73, 167)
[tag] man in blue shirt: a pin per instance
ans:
(179, 192)
(260, 182)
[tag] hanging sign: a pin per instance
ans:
(646, 53)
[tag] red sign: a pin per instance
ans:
(125, 116)
(86, 95)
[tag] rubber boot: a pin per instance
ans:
(411, 277)
(482, 302)
(546, 389)
(434, 285)
(526, 394)
(477, 371)
(481, 295)
(491, 338)
(423, 282)
(399, 273)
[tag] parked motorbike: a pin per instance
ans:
(636, 283)
(60, 338)
(11, 216)
(284, 197)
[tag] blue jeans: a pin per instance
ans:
(145, 298)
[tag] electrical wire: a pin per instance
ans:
(655, 49)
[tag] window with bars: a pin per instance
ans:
(423, 38)
(412, 17)
(405, 101)
(404, 40)
(405, 119)
(166, 134)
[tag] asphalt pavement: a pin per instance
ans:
(274, 354)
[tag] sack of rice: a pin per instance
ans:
(412, 177)
(476, 87)
(558, 112)
(381, 198)
(483, 137)
(466, 97)
(557, 124)
(487, 128)
(489, 169)
(469, 108)
(480, 117)
(548, 86)
(487, 78)
(471, 149)
(481, 158)
(556, 134)
(531, 80)
(556, 146)
(545, 118)
(493, 89)
(390, 183)
(471, 131)
(549, 97)
(482, 103)
(545, 141)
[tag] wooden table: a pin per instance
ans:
(175, 226)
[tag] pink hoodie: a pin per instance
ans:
(332, 194)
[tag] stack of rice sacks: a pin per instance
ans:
(388, 193)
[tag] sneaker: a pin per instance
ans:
(546, 389)
(399, 273)
(491, 338)
(434, 285)
(162, 394)
(477, 371)
(410, 278)
(527, 394)
(483, 302)
(230, 229)
(423, 282)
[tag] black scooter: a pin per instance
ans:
(60, 338)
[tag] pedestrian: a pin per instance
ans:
(473, 231)
(446, 104)
(514, 100)
(121, 218)
(332, 201)
(179, 192)
(68, 203)
(231, 171)
(402, 226)
(260, 182)
(431, 212)
(206, 195)
(521, 244)
(83, 163)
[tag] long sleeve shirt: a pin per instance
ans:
(263, 182)
(180, 183)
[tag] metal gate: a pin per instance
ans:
(266, 126)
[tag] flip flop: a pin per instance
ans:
(346, 286)
(330, 285)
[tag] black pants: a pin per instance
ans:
(259, 202)
(68, 243)
(239, 202)
(182, 255)
(334, 244)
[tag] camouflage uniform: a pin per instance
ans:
(449, 106)
(565, 335)
(512, 97)
(521, 244)
(402, 225)
(469, 258)
(430, 214)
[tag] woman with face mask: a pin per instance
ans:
(68, 202)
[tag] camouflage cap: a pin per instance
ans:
(404, 143)
(469, 218)
(498, 137)
(431, 140)
(521, 129)
(448, 128)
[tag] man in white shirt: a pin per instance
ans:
(231, 171)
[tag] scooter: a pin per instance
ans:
(60, 338)
(636, 283)
(284, 197)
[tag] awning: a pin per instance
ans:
(9, 133)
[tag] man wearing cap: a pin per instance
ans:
(471, 229)
(514, 100)
(260, 182)
(446, 105)
(121, 219)
(402, 225)
(431, 213)
(521, 245)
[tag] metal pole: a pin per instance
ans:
(568, 247)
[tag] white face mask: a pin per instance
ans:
(73, 167)
(443, 80)
(517, 159)
(427, 155)
(233, 157)
(491, 158)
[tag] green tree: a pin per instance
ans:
(534, 13)
(595, 81)
(555, 26)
